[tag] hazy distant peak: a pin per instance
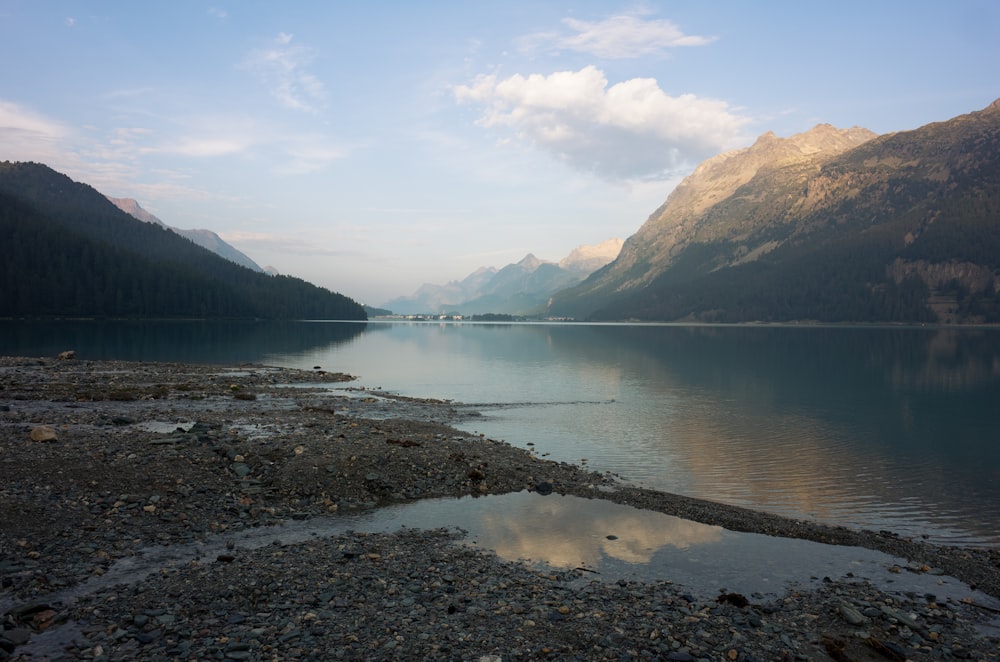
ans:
(204, 238)
(529, 263)
(132, 207)
(590, 258)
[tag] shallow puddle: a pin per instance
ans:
(607, 541)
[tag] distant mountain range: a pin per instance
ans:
(522, 288)
(204, 238)
(829, 225)
(67, 251)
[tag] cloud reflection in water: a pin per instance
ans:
(557, 531)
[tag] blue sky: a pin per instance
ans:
(372, 147)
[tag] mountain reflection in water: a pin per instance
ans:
(867, 427)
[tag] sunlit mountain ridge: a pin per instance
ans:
(829, 225)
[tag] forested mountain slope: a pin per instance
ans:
(68, 251)
(829, 225)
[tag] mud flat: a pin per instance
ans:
(106, 465)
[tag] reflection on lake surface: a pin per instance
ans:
(884, 428)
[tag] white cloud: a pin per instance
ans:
(630, 130)
(283, 68)
(616, 37)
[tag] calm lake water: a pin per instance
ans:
(884, 428)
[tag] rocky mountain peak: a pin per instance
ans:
(529, 263)
(204, 238)
(591, 258)
(720, 176)
(806, 219)
(132, 207)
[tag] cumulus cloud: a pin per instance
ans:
(616, 37)
(629, 130)
(283, 67)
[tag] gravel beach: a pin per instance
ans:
(104, 462)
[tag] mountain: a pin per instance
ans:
(204, 238)
(68, 251)
(588, 259)
(522, 288)
(829, 225)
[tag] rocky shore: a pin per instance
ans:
(102, 463)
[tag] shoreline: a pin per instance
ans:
(262, 452)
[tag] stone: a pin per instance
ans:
(68, 354)
(17, 636)
(43, 433)
(851, 615)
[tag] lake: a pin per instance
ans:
(886, 428)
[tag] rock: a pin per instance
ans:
(17, 636)
(68, 354)
(544, 488)
(240, 469)
(735, 599)
(851, 615)
(43, 433)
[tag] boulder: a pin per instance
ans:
(43, 433)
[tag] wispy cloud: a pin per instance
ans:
(630, 130)
(201, 147)
(281, 243)
(616, 37)
(283, 68)
(110, 160)
(221, 14)
(18, 120)
(306, 158)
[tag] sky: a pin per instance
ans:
(371, 147)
